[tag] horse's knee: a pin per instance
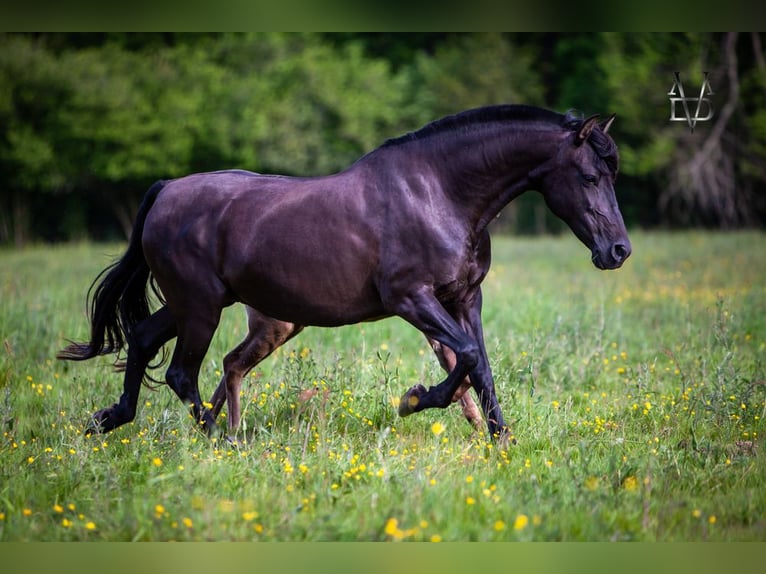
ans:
(468, 357)
(234, 369)
(230, 361)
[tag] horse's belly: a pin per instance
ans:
(318, 290)
(315, 307)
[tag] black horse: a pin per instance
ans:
(402, 231)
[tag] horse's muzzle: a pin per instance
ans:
(612, 257)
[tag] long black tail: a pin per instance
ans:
(118, 298)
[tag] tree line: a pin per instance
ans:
(89, 121)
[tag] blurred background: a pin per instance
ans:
(88, 121)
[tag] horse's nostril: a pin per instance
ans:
(620, 251)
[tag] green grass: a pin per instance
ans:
(637, 397)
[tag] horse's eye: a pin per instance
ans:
(590, 179)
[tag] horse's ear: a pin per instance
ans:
(607, 123)
(586, 129)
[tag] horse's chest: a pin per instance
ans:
(462, 279)
(453, 291)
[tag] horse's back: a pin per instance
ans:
(281, 244)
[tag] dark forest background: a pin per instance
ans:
(89, 120)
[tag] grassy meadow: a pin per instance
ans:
(637, 398)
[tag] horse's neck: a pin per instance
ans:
(487, 171)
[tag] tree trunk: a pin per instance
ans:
(705, 182)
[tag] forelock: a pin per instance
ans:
(606, 149)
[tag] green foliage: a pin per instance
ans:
(637, 398)
(632, 64)
(585, 83)
(31, 86)
(313, 109)
(476, 70)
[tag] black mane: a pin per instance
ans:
(487, 114)
(541, 117)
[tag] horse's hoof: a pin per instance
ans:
(410, 400)
(100, 422)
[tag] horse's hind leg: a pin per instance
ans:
(264, 336)
(195, 331)
(147, 339)
(448, 361)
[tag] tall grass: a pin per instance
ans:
(637, 398)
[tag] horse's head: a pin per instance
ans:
(578, 186)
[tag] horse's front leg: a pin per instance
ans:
(447, 360)
(466, 340)
(481, 376)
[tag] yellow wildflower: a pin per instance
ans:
(392, 528)
(521, 522)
